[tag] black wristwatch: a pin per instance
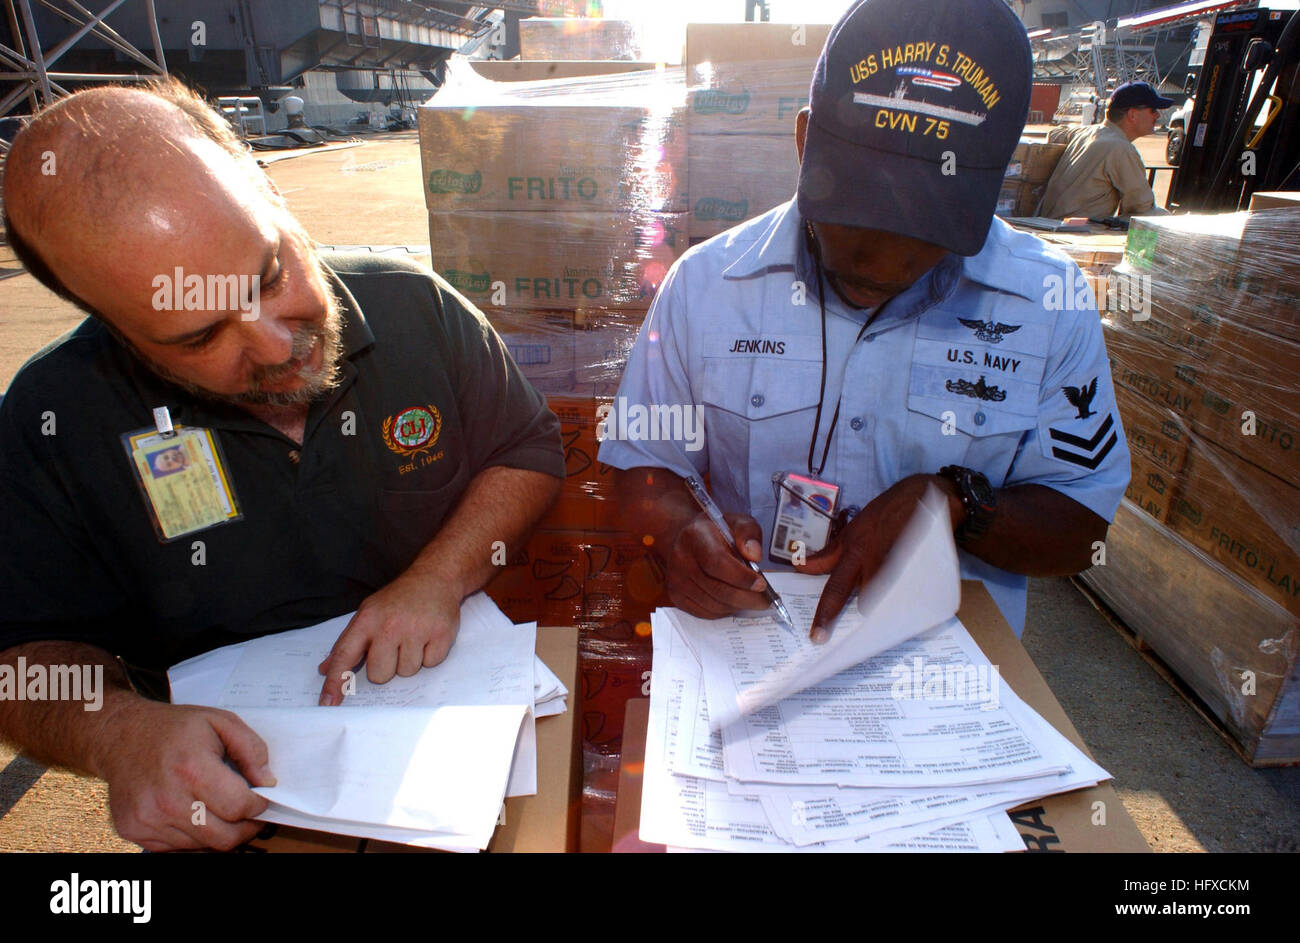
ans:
(977, 497)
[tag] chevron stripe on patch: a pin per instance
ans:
(1088, 463)
(1080, 442)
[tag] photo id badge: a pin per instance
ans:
(805, 510)
(183, 480)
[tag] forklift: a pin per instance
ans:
(1243, 132)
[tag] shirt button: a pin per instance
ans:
(856, 423)
(757, 400)
(980, 419)
(294, 455)
(869, 338)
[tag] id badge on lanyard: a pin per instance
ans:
(805, 515)
(181, 474)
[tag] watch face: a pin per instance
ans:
(982, 490)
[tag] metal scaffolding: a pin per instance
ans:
(1103, 55)
(1096, 57)
(29, 66)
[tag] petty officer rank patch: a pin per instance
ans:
(1077, 431)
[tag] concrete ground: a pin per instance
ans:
(1185, 788)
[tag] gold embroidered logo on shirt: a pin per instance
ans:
(413, 430)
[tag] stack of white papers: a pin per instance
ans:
(760, 740)
(425, 760)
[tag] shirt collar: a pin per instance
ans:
(780, 246)
(1002, 265)
(356, 333)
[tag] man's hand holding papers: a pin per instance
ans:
(409, 624)
(181, 761)
(856, 555)
(897, 735)
(425, 760)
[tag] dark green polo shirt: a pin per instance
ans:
(324, 525)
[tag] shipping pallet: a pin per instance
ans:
(1149, 655)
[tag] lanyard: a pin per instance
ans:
(821, 396)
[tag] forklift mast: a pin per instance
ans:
(1243, 133)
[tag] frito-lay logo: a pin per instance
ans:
(468, 281)
(1215, 402)
(712, 101)
(451, 181)
(709, 208)
(1189, 511)
(413, 430)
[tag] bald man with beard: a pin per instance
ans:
(378, 437)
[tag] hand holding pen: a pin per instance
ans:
(718, 586)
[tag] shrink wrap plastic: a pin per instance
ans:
(1204, 559)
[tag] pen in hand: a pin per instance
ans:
(706, 503)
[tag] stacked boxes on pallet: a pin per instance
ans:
(747, 82)
(557, 208)
(566, 38)
(1209, 392)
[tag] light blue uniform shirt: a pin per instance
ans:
(972, 365)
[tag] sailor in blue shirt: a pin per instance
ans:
(883, 332)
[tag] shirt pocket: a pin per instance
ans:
(759, 413)
(973, 386)
(955, 431)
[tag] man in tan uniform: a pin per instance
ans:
(1101, 169)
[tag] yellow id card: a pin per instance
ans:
(183, 480)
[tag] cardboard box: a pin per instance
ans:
(1273, 199)
(750, 78)
(545, 822)
(1057, 823)
(1267, 272)
(1034, 161)
(587, 501)
(1018, 198)
(1157, 453)
(548, 156)
(556, 260)
(577, 38)
(566, 577)
(1236, 386)
(1152, 487)
(1089, 250)
(1157, 439)
(579, 352)
(1253, 379)
(1185, 253)
(1211, 628)
(608, 683)
(523, 70)
(1145, 370)
(1243, 517)
(736, 177)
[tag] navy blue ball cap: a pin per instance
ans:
(1138, 95)
(917, 106)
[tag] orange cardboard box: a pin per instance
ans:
(1243, 517)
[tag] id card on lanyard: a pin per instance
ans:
(182, 477)
(806, 515)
